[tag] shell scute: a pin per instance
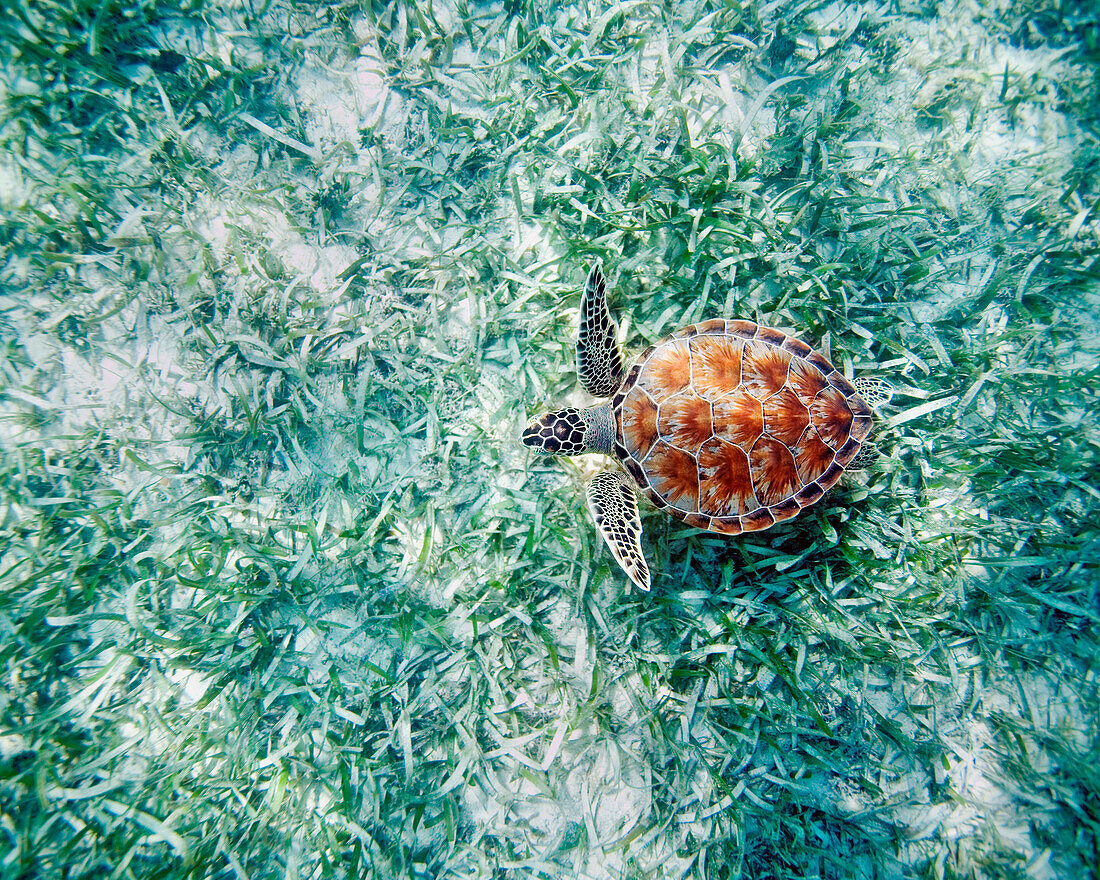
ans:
(774, 475)
(685, 420)
(715, 365)
(638, 422)
(667, 370)
(785, 416)
(771, 335)
(848, 451)
(698, 520)
(759, 519)
(629, 382)
(809, 494)
(725, 479)
(829, 413)
(796, 347)
(859, 406)
(711, 327)
(637, 472)
(727, 525)
(819, 360)
(812, 455)
(741, 328)
(806, 380)
(785, 510)
(831, 475)
(674, 475)
(763, 368)
(739, 418)
(841, 384)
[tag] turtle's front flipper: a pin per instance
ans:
(615, 509)
(599, 364)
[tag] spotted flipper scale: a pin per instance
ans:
(599, 364)
(614, 507)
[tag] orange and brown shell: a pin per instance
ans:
(733, 427)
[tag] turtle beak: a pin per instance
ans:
(533, 435)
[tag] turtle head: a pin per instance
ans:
(572, 431)
(557, 433)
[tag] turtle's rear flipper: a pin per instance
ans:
(599, 364)
(875, 392)
(868, 454)
(614, 507)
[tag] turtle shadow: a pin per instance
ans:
(778, 560)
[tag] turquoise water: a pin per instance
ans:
(282, 593)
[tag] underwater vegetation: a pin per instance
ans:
(283, 595)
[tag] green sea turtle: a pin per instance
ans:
(730, 426)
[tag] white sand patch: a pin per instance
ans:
(337, 639)
(750, 121)
(15, 192)
(562, 793)
(189, 685)
(588, 786)
(223, 225)
(990, 106)
(340, 105)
